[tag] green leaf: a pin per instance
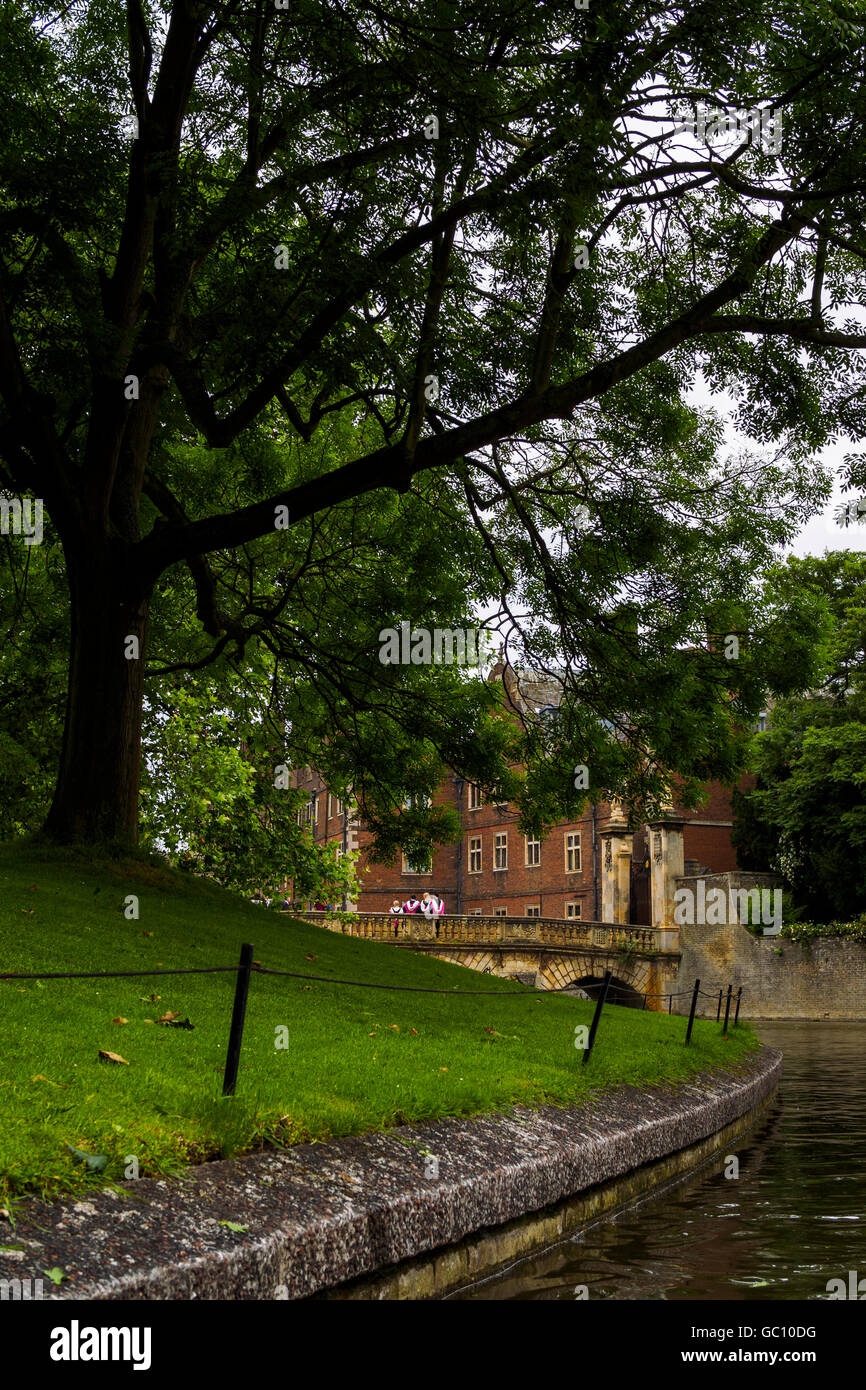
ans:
(95, 1162)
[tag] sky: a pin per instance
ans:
(823, 532)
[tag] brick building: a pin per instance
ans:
(494, 870)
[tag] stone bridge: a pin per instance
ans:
(546, 952)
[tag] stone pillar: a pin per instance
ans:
(616, 853)
(667, 863)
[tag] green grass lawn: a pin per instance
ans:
(357, 1059)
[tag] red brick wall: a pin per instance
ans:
(549, 886)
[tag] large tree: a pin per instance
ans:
(458, 253)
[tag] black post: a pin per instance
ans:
(727, 1009)
(597, 1015)
(719, 1009)
(670, 1003)
(737, 1014)
(695, 992)
(236, 1033)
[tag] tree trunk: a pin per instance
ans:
(96, 797)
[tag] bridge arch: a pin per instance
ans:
(631, 978)
(619, 992)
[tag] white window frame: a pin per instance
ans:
(574, 911)
(475, 799)
(476, 846)
(533, 910)
(417, 873)
(500, 849)
(531, 863)
(570, 849)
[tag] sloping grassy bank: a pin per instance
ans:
(357, 1059)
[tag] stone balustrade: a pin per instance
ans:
(451, 929)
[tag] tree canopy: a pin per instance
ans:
(318, 320)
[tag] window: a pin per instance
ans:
(314, 803)
(475, 854)
(418, 802)
(417, 866)
(330, 803)
(500, 850)
(475, 797)
(533, 911)
(573, 909)
(500, 912)
(533, 852)
(340, 806)
(476, 912)
(572, 852)
(308, 813)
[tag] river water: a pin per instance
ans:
(793, 1219)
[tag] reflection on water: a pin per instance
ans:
(793, 1219)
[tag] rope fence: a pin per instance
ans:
(246, 967)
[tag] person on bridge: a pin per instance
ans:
(396, 910)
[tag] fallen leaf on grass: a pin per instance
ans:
(306, 986)
(40, 1077)
(120, 1020)
(443, 1068)
(310, 957)
(168, 1017)
(233, 1226)
(414, 1032)
(95, 1162)
(395, 1026)
(56, 1275)
(112, 1057)
(177, 1023)
(147, 933)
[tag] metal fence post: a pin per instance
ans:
(719, 1009)
(727, 1010)
(695, 992)
(597, 1015)
(737, 1013)
(236, 1032)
